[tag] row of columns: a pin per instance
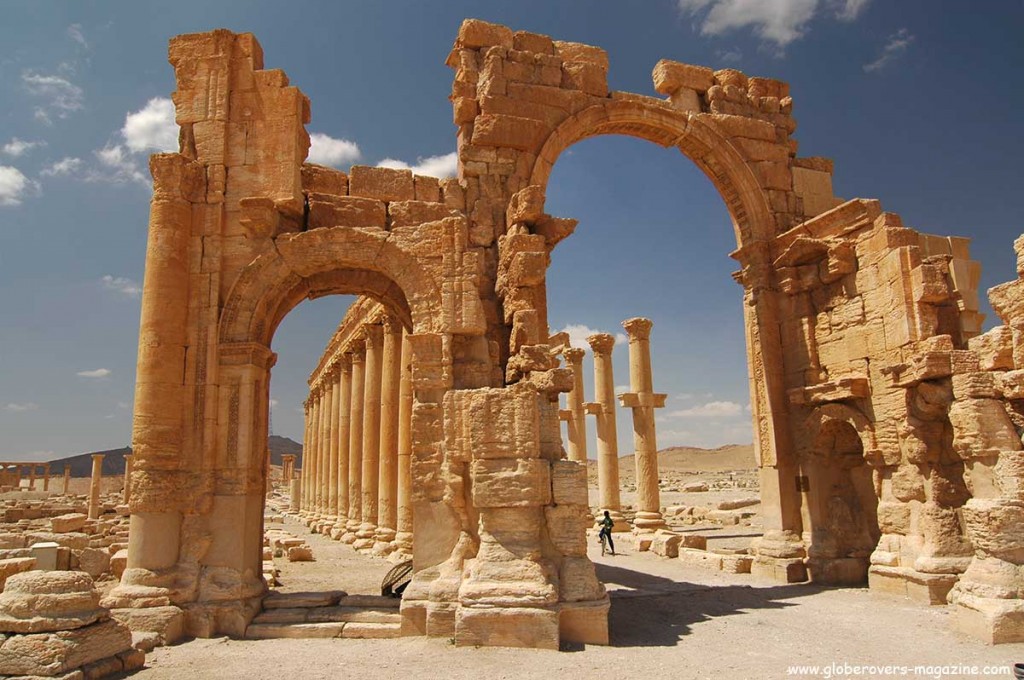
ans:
(355, 476)
(11, 474)
(641, 400)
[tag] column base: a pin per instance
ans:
(992, 620)
(506, 627)
(930, 589)
(779, 569)
(403, 542)
(648, 522)
(837, 571)
(584, 622)
(365, 537)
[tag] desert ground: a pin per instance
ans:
(669, 619)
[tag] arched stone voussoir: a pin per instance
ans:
(695, 135)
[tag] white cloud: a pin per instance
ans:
(777, 21)
(712, 409)
(20, 407)
(75, 33)
(849, 10)
(897, 44)
(578, 334)
(14, 186)
(729, 56)
(273, 403)
(61, 96)
(337, 153)
(16, 147)
(122, 285)
(96, 373)
(117, 166)
(443, 166)
(63, 167)
(152, 127)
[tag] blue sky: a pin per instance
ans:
(918, 103)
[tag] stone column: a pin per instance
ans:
(32, 477)
(332, 447)
(642, 400)
(343, 405)
(371, 435)
(67, 479)
(355, 441)
(314, 454)
(17, 476)
(403, 535)
(607, 435)
(127, 491)
(323, 452)
(94, 485)
(305, 456)
(387, 488)
(46, 477)
(576, 419)
(286, 469)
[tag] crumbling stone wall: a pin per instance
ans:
(856, 330)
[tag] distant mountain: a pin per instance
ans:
(695, 459)
(113, 459)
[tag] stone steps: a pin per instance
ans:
(326, 615)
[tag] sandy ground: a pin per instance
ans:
(668, 620)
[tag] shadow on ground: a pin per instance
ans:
(653, 611)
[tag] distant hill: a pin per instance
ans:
(694, 459)
(113, 459)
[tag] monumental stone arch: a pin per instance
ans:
(887, 427)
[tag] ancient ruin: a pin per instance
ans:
(887, 430)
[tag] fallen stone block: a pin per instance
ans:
(17, 565)
(666, 543)
(300, 553)
(738, 503)
(67, 523)
(701, 558)
(695, 487)
(695, 541)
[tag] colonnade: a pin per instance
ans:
(355, 477)
(642, 400)
(11, 474)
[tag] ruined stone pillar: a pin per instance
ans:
(94, 485)
(642, 400)
(371, 435)
(343, 406)
(355, 441)
(607, 436)
(46, 477)
(387, 488)
(32, 477)
(286, 468)
(323, 452)
(332, 447)
(403, 535)
(129, 462)
(577, 413)
(314, 454)
(67, 480)
(305, 456)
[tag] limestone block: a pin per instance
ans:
(670, 76)
(701, 558)
(694, 541)
(981, 385)
(300, 553)
(427, 188)
(586, 77)
(38, 601)
(506, 627)
(48, 654)
(302, 599)
(474, 33)
(569, 482)
(73, 540)
(527, 205)
(15, 565)
(666, 543)
(737, 503)
(695, 487)
(737, 564)
(264, 631)
(323, 180)
(345, 211)
(1008, 301)
(508, 131)
(995, 527)
(567, 525)
(492, 423)
(71, 522)
(981, 427)
(584, 622)
(579, 52)
(385, 184)
(578, 581)
(412, 213)
(93, 561)
(1011, 384)
(167, 623)
(520, 482)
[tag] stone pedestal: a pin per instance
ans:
(94, 485)
(607, 436)
(642, 400)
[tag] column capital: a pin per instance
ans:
(601, 343)
(638, 328)
(373, 334)
(344, 363)
(98, 456)
(392, 325)
(574, 355)
(357, 348)
(127, 456)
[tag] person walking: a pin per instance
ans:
(606, 531)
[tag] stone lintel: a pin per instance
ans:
(642, 399)
(842, 389)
